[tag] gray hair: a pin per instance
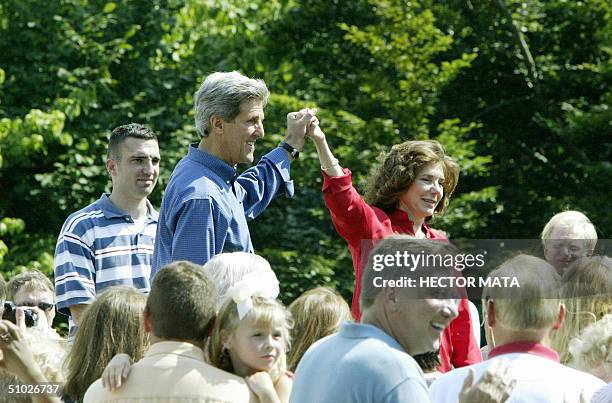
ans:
(221, 94)
(226, 269)
(574, 221)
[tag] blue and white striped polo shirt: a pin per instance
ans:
(100, 246)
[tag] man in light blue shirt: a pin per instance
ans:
(371, 361)
(206, 205)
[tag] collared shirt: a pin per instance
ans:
(536, 369)
(362, 226)
(360, 363)
(206, 205)
(100, 246)
(174, 371)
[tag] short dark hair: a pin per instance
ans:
(119, 134)
(182, 302)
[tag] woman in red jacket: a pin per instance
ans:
(413, 182)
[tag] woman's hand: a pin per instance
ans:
(116, 371)
(261, 384)
(314, 132)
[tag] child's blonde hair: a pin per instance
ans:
(586, 295)
(317, 313)
(266, 313)
(593, 346)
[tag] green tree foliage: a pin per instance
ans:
(517, 91)
(547, 123)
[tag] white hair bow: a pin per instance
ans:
(252, 285)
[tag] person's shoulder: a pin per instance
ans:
(191, 184)
(572, 375)
(84, 219)
(214, 381)
(95, 392)
(455, 377)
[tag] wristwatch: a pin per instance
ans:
(290, 149)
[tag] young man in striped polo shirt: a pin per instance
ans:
(110, 242)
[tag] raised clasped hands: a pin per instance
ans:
(314, 131)
(297, 123)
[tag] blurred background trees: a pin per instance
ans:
(518, 92)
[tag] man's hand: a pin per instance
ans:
(297, 123)
(495, 385)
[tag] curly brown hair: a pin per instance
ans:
(397, 169)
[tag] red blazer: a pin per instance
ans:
(361, 225)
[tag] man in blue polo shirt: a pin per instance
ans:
(206, 205)
(110, 242)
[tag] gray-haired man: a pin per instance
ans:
(206, 205)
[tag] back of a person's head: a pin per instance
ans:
(181, 304)
(226, 269)
(316, 313)
(588, 277)
(29, 280)
(591, 350)
(534, 305)
(575, 224)
(587, 295)
(112, 324)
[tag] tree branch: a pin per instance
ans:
(533, 78)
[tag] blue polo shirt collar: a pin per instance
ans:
(111, 211)
(221, 168)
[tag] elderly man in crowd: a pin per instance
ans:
(372, 361)
(520, 321)
(206, 205)
(32, 291)
(179, 313)
(110, 242)
(566, 237)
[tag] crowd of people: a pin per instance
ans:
(177, 306)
